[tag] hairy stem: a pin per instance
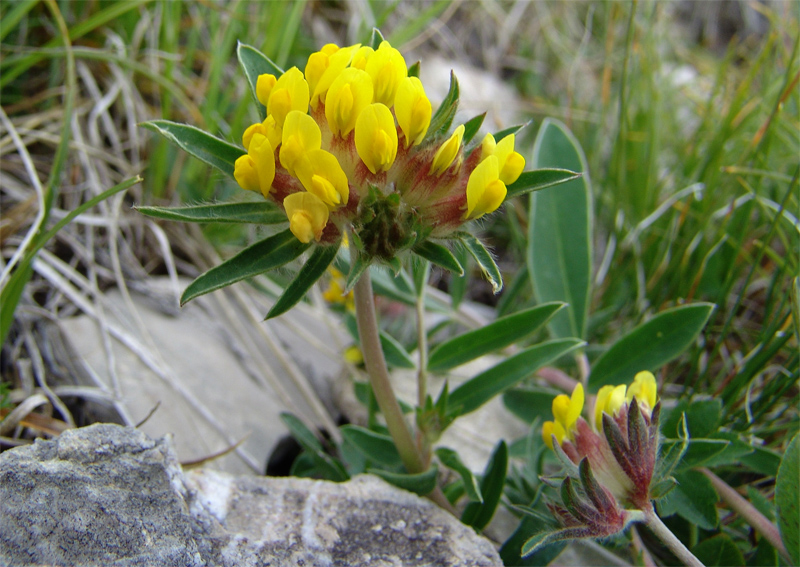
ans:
(379, 375)
(746, 510)
(669, 539)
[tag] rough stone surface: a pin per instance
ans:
(109, 495)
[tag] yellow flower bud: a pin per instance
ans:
(266, 128)
(324, 67)
(609, 400)
(413, 110)
(376, 137)
(264, 85)
(568, 410)
(307, 216)
(447, 152)
(644, 389)
(349, 94)
(244, 171)
(485, 192)
(510, 162)
(300, 135)
(387, 68)
(550, 428)
(320, 173)
(263, 156)
(289, 93)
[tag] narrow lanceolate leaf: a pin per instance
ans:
(255, 63)
(559, 254)
(376, 38)
(377, 448)
(787, 497)
(451, 460)
(539, 179)
(357, 267)
(650, 345)
(261, 257)
(422, 483)
(441, 121)
(203, 146)
(255, 212)
(440, 256)
(306, 438)
(396, 355)
(542, 539)
(511, 130)
(308, 275)
(503, 332)
(484, 260)
(471, 128)
(475, 392)
(479, 514)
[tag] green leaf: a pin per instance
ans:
(702, 417)
(203, 146)
(718, 550)
(357, 268)
(511, 130)
(796, 307)
(510, 552)
(376, 38)
(650, 345)
(255, 63)
(395, 354)
(475, 392)
(377, 448)
(471, 128)
(413, 71)
(529, 403)
(787, 498)
(363, 390)
(422, 483)
(700, 451)
(559, 254)
(308, 275)
(261, 257)
(499, 334)
(443, 117)
(484, 260)
(479, 514)
(451, 460)
(255, 212)
(762, 461)
(440, 256)
(331, 468)
(694, 499)
(538, 179)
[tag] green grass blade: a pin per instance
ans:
(203, 146)
(559, 253)
(311, 271)
(539, 179)
(255, 212)
(499, 334)
(12, 18)
(261, 257)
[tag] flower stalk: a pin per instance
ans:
(662, 532)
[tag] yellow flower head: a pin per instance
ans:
(348, 95)
(413, 110)
(376, 137)
(307, 216)
(387, 68)
(300, 136)
(566, 411)
(320, 173)
(447, 152)
(510, 162)
(485, 191)
(324, 67)
(289, 93)
(645, 390)
(610, 400)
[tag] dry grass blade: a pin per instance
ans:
(21, 412)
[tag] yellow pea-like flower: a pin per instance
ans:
(268, 128)
(348, 95)
(290, 93)
(244, 171)
(511, 163)
(307, 216)
(387, 67)
(324, 68)
(485, 191)
(320, 173)
(567, 410)
(300, 135)
(610, 400)
(376, 137)
(644, 389)
(413, 110)
(264, 85)
(447, 152)
(263, 156)
(550, 428)
(360, 58)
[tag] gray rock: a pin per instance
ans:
(109, 495)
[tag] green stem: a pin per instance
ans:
(379, 375)
(669, 539)
(422, 344)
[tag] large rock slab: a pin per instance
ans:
(110, 495)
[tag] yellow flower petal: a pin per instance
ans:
(376, 137)
(567, 410)
(300, 135)
(323, 68)
(447, 152)
(307, 216)
(348, 95)
(264, 85)
(600, 405)
(644, 389)
(289, 93)
(551, 428)
(263, 156)
(485, 192)
(320, 173)
(511, 162)
(244, 171)
(387, 68)
(413, 110)
(360, 58)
